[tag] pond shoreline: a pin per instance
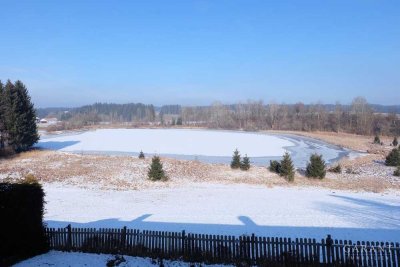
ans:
(300, 147)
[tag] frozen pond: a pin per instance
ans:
(204, 145)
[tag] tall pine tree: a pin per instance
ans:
(286, 168)
(20, 117)
(2, 117)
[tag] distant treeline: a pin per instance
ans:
(359, 117)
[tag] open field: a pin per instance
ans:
(230, 210)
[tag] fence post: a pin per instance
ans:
(183, 242)
(329, 243)
(123, 239)
(69, 237)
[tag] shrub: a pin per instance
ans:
(393, 159)
(316, 168)
(336, 169)
(22, 231)
(141, 155)
(245, 164)
(397, 171)
(156, 172)
(377, 140)
(286, 168)
(395, 142)
(274, 166)
(235, 163)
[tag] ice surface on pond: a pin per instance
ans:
(204, 145)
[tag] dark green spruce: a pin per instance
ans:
(286, 168)
(316, 168)
(20, 121)
(245, 164)
(156, 171)
(235, 163)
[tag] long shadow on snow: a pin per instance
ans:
(247, 227)
(364, 212)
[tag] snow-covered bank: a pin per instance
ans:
(67, 259)
(230, 209)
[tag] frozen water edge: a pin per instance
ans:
(209, 146)
(230, 210)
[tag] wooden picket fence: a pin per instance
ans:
(250, 250)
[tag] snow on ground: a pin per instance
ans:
(231, 209)
(67, 259)
(170, 141)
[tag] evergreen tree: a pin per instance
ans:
(286, 167)
(141, 155)
(20, 117)
(245, 164)
(156, 172)
(395, 142)
(274, 166)
(393, 159)
(377, 140)
(179, 121)
(235, 163)
(2, 117)
(316, 168)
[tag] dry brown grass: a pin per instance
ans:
(351, 141)
(124, 172)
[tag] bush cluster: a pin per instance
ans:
(395, 141)
(393, 159)
(377, 140)
(336, 169)
(141, 155)
(397, 171)
(284, 168)
(22, 231)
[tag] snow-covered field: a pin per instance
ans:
(231, 209)
(204, 145)
(68, 259)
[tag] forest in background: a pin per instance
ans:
(359, 117)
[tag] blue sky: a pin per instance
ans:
(195, 52)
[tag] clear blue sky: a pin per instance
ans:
(194, 52)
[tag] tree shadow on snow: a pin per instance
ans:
(364, 212)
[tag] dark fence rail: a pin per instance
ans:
(252, 250)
